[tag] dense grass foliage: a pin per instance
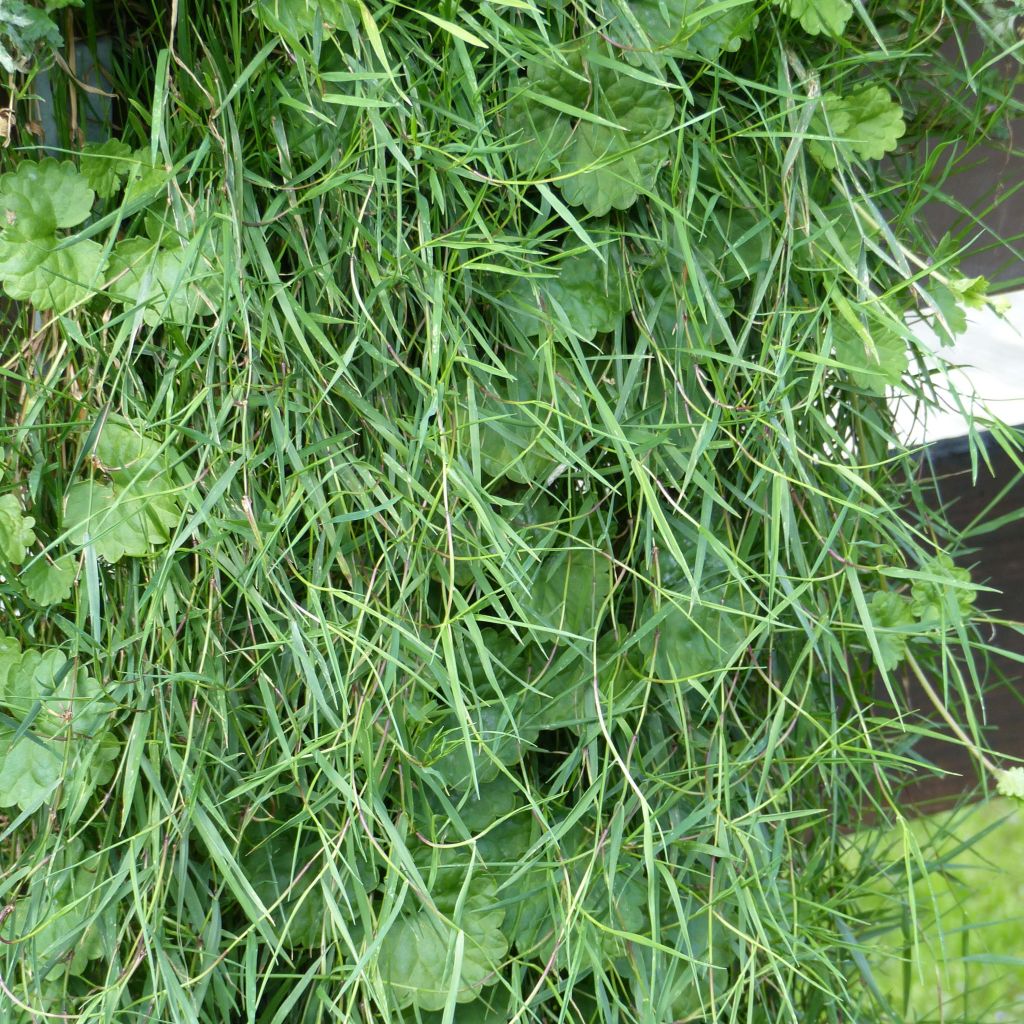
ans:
(453, 530)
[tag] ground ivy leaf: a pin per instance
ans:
(294, 19)
(571, 588)
(950, 317)
(682, 28)
(891, 612)
(145, 177)
(164, 282)
(413, 956)
(48, 583)
(49, 277)
(104, 165)
(65, 698)
(1010, 782)
(125, 452)
(690, 642)
(874, 360)
(819, 17)
(611, 167)
(866, 122)
(512, 441)
(29, 771)
(943, 601)
(16, 534)
(584, 291)
(24, 29)
(94, 514)
(598, 164)
(40, 197)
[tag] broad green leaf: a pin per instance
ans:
(687, 29)
(610, 167)
(891, 613)
(875, 359)
(69, 700)
(678, 311)
(867, 123)
(491, 1007)
(104, 165)
(495, 740)
(570, 589)
(819, 17)
(690, 642)
(294, 19)
(168, 284)
(603, 160)
(95, 514)
(582, 291)
(40, 197)
(145, 178)
(29, 771)
(414, 955)
(16, 534)
(950, 317)
(512, 417)
(63, 925)
(93, 763)
(1010, 782)
(38, 272)
(48, 583)
(124, 452)
(945, 600)
(620, 904)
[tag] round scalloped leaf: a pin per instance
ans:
(413, 958)
(586, 294)
(874, 360)
(687, 29)
(30, 771)
(48, 583)
(942, 600)
(163, 282)
(611, 167)
(536, 121)
(819, 17)
(867, 123)
(1011, 783)
(294, 19)
(94, 514)
(38, 198)
(511, 440)
(104, 165)
(891, 612)
(68, 698)
(609, 162)
(16, 533)
(48, 277)
(571, 588)
(126, 453)
(145, 178)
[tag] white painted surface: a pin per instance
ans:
(989, 374)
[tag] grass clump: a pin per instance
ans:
(452, 518)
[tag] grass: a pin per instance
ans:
(967, 964)
(475, 601)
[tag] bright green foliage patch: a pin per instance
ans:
(819, 17)
(866, 123)
(36, 200)
(600, 132)
(16, 534)
(452, 526)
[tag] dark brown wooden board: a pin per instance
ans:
(996, 559)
